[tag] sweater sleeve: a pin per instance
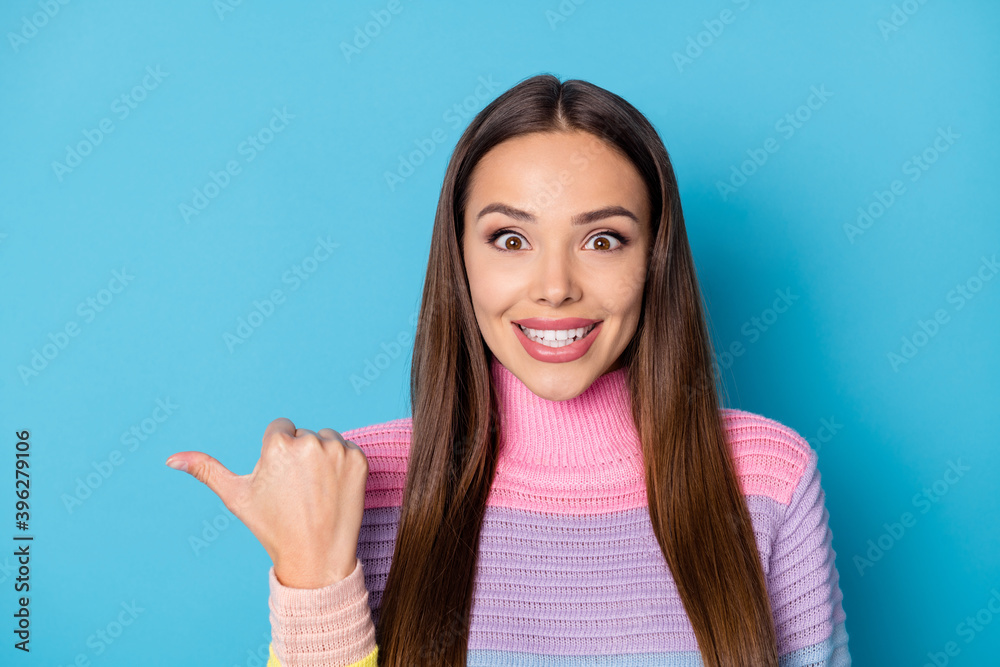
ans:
(322, 627)
(806, 599)
(334, 626)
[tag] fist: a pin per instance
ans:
(304, 500)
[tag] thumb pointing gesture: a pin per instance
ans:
(226, 484)
(303, 501)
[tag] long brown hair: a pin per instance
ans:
(696, 507)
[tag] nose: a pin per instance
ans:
(555, 281)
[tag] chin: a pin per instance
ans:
(562, 381)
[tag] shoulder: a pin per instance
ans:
(771, 459)
(387, 447)
(378, 438)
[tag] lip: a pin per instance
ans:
(562, 354)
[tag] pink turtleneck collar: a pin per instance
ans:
(572, 455)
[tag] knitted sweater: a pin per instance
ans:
(569, 571)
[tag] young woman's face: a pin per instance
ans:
(557, 235)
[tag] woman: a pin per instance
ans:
(568, 488)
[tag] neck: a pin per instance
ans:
(594, 429)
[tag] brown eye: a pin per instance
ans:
(513, 242)
(603, 241)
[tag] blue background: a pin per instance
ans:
(890, 430)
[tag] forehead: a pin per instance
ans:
(534, 168)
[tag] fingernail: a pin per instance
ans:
(177, 465)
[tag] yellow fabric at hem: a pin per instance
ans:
(370, 660)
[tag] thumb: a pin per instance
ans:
(226, 484)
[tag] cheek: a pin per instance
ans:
(478, 287)
(493, 289)
(487, 302)
(624, 292)
(477, 279)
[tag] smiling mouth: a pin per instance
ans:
(557, 337)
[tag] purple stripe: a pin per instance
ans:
(804, 585)
(599, 585)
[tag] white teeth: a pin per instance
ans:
(557, 337)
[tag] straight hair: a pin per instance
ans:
(696, 507)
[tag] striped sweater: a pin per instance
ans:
(569, 571)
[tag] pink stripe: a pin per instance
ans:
(567, 553)
(387, 447)
(769, 456)
(770, 459)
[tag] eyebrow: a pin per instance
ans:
(578, 219)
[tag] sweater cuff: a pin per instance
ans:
(316, 627)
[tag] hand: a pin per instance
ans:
(304, 500)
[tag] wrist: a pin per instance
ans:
(302, 575)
